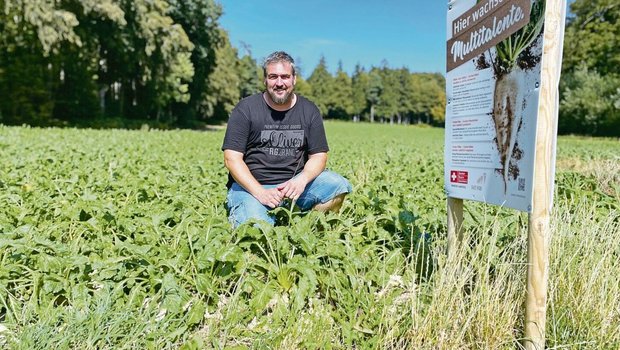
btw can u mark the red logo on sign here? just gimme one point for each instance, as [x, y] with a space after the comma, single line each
[459, 177]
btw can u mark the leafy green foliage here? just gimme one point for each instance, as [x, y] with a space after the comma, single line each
[359, 86]
[132, 223]
[389, 103]
[120, 238]
[394, 95]
[168, 63]
[590, 86]
[164, 63]
[199, 20]
[509, 50]
[323, 87]
[427, 98]
[90, 59]
[302, 87]
[223, 84]
[250, 76]
[591, 37]
[590, 104]
[343, 96]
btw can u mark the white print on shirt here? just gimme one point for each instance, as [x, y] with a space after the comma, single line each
[281, 143]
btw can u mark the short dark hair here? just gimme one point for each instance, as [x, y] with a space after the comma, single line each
[278, 56]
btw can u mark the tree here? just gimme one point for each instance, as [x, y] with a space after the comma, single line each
[590, 85]
[591, 103]
[388, 105]
[428, 99]
[25, 87]
[98, 71]
[374, 91]
[359, 86]
[31, 31]
[322, 84]
[199, 20]
[405, 91]
[341, 99]
[592, 36]
[302, 87]
[249, 76]
[99, 53]
[167, 69]
[223, 90]
[438, 111]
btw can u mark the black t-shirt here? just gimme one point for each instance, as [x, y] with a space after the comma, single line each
[275, 144]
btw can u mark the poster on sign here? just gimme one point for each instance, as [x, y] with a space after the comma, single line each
[494, 51]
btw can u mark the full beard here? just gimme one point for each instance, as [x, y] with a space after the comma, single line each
[280, 100]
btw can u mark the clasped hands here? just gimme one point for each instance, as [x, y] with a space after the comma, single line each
[293, 188]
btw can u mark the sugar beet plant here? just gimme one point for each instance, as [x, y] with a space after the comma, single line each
[114, 238]
[119, 239]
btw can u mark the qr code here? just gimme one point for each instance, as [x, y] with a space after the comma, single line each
[521, 184]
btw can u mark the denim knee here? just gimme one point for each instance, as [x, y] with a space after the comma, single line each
[242, 206]
[323, 188]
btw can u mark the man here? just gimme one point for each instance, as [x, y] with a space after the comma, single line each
[275, 149]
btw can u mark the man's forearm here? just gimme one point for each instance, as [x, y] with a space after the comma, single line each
[242, 175]
[314, 166]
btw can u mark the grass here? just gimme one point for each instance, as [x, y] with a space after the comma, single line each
[119, 240]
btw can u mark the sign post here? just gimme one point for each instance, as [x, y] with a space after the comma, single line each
[503, 69]
[539, 220]
[455, 224]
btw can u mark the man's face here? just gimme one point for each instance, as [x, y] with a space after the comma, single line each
[280, 82]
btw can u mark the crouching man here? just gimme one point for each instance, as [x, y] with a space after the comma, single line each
[275, 148]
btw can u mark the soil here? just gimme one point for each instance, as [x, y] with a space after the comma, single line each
[513, 168]
[527, 60]
[481, 62]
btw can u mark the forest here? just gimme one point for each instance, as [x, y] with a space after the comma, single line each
[170, 64]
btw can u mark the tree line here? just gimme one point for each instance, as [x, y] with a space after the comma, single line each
[590, 81]
[169, 63]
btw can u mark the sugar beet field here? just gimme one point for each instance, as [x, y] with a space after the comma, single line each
[119, 240]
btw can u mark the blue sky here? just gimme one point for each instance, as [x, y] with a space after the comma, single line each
[405, 33]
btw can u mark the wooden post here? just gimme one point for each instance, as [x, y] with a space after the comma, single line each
[539, 220]
[455, 224]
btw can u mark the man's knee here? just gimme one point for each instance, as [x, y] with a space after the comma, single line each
[332, 205]
[248, 210]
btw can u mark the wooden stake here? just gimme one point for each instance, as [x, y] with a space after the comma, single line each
[539, 220]
[455, 224]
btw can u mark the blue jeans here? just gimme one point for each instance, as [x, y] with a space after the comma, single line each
[242, 206]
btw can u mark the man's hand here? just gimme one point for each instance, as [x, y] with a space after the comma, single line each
[242, 175]
[270, 197]
[294, 187]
